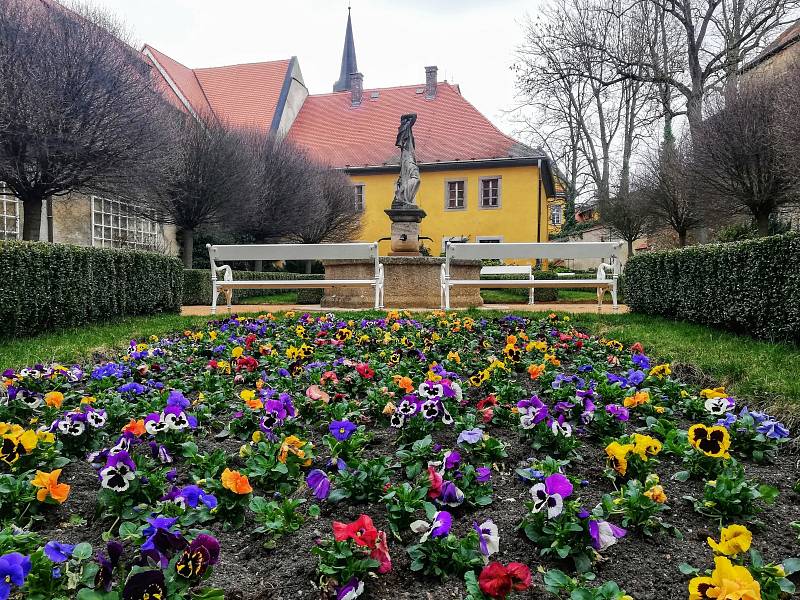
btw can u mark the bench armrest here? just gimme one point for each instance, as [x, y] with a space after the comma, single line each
[226, 270]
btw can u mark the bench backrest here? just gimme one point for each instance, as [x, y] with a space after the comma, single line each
[477, 251]
[275, 252]
[507, 270]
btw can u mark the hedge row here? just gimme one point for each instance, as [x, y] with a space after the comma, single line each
[197, 285]
[750, 287]
[47, 286]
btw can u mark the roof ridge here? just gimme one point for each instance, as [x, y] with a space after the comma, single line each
[381, 89]
[245, 64]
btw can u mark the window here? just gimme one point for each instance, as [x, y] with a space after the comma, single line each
[358, 196]
[555, 214]
[9, 214]
[490, 192]
[490, 240]
[116, 225]
[455, 195]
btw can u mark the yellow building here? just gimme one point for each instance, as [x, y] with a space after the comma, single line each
[477, 184]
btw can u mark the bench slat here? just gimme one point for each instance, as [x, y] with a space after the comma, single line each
[517, 250]
[296, 284]
[535, 283]
[275, 252]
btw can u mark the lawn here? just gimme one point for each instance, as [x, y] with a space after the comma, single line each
[406, 455]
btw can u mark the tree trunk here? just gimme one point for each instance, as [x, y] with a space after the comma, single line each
[188, 247]
[32, 215]
[762, 221]
[682, 239]
[630, 248]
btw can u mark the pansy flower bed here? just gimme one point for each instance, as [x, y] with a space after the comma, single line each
[390, 456]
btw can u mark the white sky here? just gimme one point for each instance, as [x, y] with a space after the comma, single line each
[471, 41]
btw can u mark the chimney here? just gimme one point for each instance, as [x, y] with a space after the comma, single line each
[430, 81]
[356, 88]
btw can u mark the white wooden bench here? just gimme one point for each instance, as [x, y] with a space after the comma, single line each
[550, 251]
[276, 252]
[511, 270]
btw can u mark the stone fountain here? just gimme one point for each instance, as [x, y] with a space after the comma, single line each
[411, 280]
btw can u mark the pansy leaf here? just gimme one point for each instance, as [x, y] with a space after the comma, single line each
[786, 586]
[681, 476]
[791, 566]
[688, 569]
[338, 495]
[82, 551]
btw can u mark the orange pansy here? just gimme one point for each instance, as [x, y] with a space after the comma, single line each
[236, 482]
[48, 486]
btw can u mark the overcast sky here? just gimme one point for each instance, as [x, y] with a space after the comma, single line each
[471, 41]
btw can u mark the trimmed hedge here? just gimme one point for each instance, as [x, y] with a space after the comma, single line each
[750, 287]
[197, 284]
[46, 286]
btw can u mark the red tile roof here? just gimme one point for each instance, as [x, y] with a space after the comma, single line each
[448, 128]
[787, 37]
[242, 95]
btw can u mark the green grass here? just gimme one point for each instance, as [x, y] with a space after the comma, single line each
[520, 296]
[276, 298]
[762, 373]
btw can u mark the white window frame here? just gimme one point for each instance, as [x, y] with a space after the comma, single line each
[115, 225]
[10, 208]
[360, 196]
[481, 198]
[463, 190]
[489, 239]
[556, 210]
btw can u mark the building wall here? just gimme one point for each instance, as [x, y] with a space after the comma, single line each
[553, 228]
[776, 64]
[72, 220]
[516, 220]
[294, 101]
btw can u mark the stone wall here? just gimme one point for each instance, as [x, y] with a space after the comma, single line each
[409, 282]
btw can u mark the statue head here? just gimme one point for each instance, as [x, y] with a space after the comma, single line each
[404, 131]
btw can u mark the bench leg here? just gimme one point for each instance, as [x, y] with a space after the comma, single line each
[614, 298]
[600, 293]
[530, 296]
[228, 299]
[447, 296]
[214, 294]
[377, 296]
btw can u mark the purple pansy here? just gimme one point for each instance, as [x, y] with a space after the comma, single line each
[604, 534]
[550, 494]
[319, 483]
[342, 430]
[470, 436]
[58, 552]
[14, 568]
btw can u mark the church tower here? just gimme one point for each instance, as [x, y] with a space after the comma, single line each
[349, 64]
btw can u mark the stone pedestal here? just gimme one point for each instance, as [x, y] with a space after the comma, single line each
[409, 282]
[405, 230]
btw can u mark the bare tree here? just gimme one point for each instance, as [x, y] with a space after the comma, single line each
[736, 154]
[78, 111]
[668, 187]
[564, 77]
[295, 199]
[205, 171]
[716, 37]
[628, 216]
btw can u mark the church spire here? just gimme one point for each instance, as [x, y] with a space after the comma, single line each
[349, 64]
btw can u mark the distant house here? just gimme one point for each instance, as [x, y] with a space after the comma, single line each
[477, 184]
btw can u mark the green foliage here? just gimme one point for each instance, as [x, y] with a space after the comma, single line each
[559, 583]
[447, 555]
[750, 287]
[197, 284]
[732, 497]
[401, 502]
[276, 519]
[365, 482]
[53, 286]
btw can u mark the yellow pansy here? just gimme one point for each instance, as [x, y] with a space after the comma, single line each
[733, 540]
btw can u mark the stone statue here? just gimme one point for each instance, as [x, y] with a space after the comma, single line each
[405, 190]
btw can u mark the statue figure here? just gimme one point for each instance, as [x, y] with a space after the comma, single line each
[405, 190]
